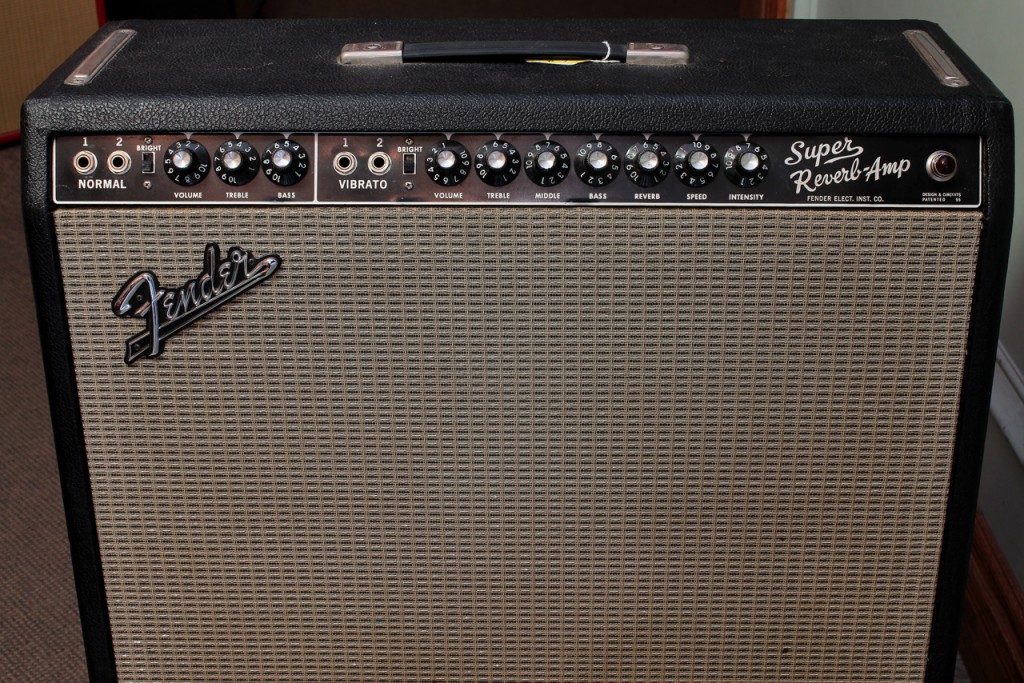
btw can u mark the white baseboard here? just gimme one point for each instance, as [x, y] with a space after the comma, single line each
[1007, 407]
[804, 9]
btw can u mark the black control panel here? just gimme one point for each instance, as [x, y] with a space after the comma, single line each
[518, 168]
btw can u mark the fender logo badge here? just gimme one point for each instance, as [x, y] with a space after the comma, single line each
[169, 311]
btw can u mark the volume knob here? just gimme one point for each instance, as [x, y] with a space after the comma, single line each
[186, 162]
[448, 163]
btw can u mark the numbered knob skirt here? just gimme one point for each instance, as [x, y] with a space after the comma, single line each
[448, 163]
[236, 162]
[647, 163]
[547, 163]
[186, 162]
[746, 164]
[696, 163]
[497, 163]
[597, 163]
[285, 162]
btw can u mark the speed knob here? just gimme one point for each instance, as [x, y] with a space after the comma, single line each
[448, 163]
[236, 162]
[285, 162]
[547, 163]
[186, 162]
[746, 164]
[696, 163]
[647, 163]
[597, 163]
[497, 163]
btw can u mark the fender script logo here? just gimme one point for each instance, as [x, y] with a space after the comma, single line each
[168, 311]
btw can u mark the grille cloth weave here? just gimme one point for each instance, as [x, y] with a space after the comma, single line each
[530, 444]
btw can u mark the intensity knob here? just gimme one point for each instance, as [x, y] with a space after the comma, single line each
[696, 163]
[547, 163]
[497, 163]
[448, 163]
[647, 163]
[597, 163]
[746, 164]
[186, 162]
[285, 162]
[236, 162]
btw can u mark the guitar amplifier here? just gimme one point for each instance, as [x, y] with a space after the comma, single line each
[519, 351]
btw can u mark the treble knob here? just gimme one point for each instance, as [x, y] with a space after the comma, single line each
[236, 162]
[497, 163]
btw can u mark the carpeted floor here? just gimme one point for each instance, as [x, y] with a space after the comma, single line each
[40, 640]
[40, 637]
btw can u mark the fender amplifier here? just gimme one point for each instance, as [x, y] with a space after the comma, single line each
[582, 351]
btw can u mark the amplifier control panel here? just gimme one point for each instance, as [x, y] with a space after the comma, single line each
[518, 168]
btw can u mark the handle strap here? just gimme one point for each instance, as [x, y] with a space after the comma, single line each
[381, 53]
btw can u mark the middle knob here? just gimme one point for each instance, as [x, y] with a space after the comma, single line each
[497, 163]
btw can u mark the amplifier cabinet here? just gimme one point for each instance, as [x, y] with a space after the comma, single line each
[485, 370]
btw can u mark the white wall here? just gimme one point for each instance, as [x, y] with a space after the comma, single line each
[990, 31]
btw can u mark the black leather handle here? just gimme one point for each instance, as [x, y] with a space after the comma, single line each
[395, 52]
[512, 51]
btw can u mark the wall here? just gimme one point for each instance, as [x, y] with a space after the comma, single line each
[35, 37]
[990, 32]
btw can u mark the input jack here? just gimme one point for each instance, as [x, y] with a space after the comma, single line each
[119, 162]
[345, 163]
[380, 163]
[85, 162]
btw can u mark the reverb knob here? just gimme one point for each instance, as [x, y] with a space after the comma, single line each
[236, 162]
[597, 163]
[696, 163]
[746, 164]
[647, 163]
[186, 162]
[447, 163]
[497, 163]
[285, 162]
[547, 163]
